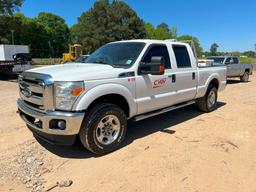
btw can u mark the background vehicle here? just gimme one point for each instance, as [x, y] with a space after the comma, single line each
[22, 61]
[123, 80]
[14, 59]
[75, 51]
[234, 68]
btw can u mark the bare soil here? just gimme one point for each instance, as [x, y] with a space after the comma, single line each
[180, 151]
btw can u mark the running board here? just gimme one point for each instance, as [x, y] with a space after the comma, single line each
[160, 111]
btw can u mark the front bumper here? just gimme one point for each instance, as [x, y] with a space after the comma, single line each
[44, 130]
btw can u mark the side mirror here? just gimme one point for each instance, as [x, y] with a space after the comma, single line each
[155, 67]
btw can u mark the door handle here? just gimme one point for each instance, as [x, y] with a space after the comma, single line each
[173, 77]
[193, 75]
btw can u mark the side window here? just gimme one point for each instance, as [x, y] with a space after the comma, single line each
[235, 59]
[182, 56]
[158, 50]
[228, 60]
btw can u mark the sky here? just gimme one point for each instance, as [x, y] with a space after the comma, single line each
[229, 23]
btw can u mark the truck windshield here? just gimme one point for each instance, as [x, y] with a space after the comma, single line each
[117, 54]
[217, 59]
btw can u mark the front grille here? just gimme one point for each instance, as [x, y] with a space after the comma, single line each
[33, 105]
[36, 91]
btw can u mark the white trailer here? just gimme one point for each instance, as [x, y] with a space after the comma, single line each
[7, 62]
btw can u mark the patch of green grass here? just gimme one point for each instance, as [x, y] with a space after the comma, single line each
[247, 60]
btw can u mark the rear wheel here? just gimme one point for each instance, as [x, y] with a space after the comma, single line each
[103, 129]
[245, 77]
[208, 103]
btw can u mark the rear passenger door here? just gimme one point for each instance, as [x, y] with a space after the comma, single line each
[186, 74]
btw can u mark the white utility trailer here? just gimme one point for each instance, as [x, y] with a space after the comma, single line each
[10, 65]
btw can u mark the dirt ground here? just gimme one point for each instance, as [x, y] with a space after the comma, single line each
[180, 151]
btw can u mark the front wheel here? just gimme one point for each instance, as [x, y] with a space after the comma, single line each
[208, 103]
[103, 129]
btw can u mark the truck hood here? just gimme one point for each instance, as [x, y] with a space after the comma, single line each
[79, 71]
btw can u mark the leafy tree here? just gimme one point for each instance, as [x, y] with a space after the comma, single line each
[57, 30]
[161, 32]
[214, 48]
[34, 33]
[7, 7]
[249, 54]
[197, 44]
[150, 31]
[8, 23]
[107, 22]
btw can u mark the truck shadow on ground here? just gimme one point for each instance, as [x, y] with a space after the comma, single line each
[235, 81]
[12, 78]
[135, 130]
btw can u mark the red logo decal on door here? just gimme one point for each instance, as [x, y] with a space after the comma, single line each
[159, 83]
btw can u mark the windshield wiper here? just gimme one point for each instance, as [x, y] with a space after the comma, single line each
[113, 65]
[100, 62]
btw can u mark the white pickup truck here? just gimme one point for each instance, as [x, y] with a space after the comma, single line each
[123, 80]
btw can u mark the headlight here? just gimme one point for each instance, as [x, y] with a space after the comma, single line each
[66, 94]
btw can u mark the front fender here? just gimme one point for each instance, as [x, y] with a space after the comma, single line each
[87, 98]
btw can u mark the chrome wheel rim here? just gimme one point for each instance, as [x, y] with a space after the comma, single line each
[108, 129]
[211, 99]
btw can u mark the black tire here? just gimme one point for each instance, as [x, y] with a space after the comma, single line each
[88, 135]
[202, 102]
[245, 77]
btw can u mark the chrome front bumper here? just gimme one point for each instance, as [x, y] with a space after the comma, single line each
[73, 120]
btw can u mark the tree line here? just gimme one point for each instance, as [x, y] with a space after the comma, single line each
[214, 52]
[49, 36]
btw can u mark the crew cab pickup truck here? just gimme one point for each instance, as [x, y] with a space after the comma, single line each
[234, 68]
[123, 80]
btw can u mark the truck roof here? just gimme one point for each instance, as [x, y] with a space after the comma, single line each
[173, 41]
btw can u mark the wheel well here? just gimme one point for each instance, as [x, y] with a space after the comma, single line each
[247, 70]
[116, 99]
[215, 83]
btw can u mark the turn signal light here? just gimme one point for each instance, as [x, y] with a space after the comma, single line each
[77, 91]
[161, 69]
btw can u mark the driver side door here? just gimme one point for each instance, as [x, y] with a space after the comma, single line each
[154, 91]
[231, 70]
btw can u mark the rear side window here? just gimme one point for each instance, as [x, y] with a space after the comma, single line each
[235, 60]
[158, 50]
[182, 56]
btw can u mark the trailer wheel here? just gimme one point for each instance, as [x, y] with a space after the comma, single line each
[208, 103]
[103, 128]
[245, 77]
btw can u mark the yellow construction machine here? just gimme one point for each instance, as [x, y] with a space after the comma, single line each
[75, 51]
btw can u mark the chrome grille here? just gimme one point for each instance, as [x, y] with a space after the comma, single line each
[36, 91]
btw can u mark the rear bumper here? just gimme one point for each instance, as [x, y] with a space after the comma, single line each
[40, 124]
